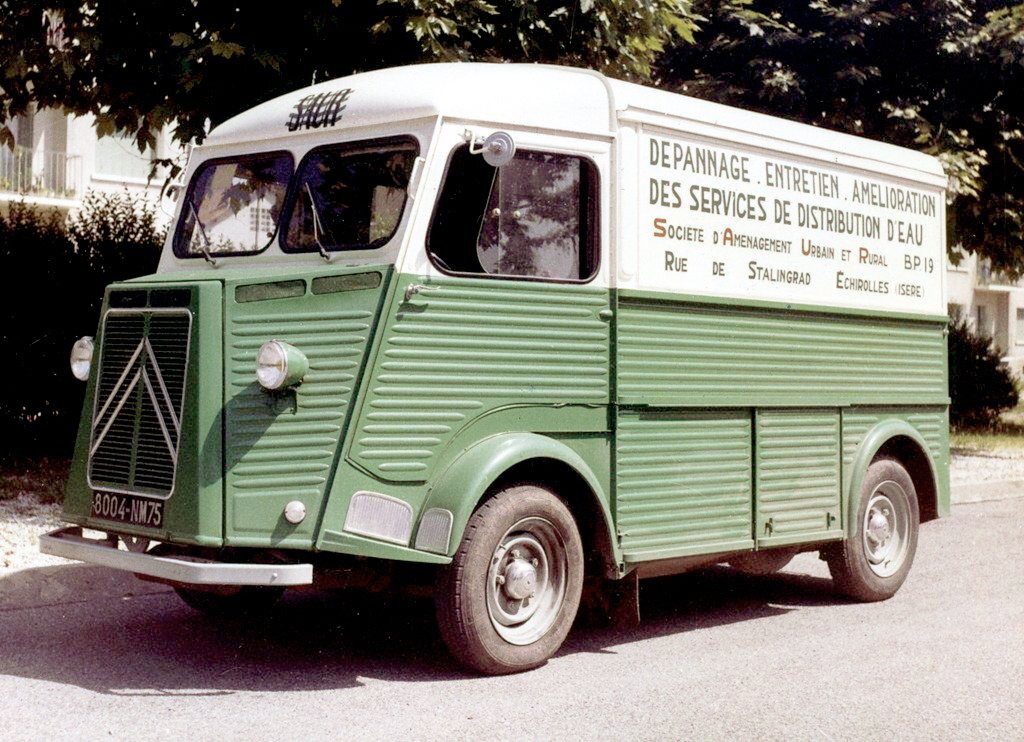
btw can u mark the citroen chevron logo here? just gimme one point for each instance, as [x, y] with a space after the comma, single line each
[142, 366]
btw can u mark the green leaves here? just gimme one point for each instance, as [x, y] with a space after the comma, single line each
[618, 37]
[105, 125]
[938, 76]
[980, 384]
[110, 238]
[139, 66]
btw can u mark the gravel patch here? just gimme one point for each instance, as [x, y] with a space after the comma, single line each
[990, 466]
[22, 520]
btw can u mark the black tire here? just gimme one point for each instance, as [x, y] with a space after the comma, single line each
[760, 563]
[519, 529]
[866, 566]
[232, 602]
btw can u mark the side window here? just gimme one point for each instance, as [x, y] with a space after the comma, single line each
[535, 217]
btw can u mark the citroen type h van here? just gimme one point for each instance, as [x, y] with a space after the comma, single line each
[511, 330]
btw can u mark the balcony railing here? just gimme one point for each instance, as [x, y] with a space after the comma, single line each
[32, 172]
[986, 276]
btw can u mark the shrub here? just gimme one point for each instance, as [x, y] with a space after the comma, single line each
[55, 273]
[117, 235]
[980, 384]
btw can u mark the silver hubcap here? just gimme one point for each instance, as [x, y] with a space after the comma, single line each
[886, 529]
[526, 581]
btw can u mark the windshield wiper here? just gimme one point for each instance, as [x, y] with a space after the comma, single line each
[205, 246]
[317, 228]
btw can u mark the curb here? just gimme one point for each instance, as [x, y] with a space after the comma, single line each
[967, 493]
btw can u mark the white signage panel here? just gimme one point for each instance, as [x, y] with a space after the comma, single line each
[726, 222]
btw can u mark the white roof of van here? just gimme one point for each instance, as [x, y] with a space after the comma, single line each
[512, 94]
[531, 95]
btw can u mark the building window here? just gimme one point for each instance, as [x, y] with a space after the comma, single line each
[261, 220]
[1020, 327]
[118, 156]
[981, 320]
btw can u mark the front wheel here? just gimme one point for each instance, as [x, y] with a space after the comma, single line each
[507, 600]
[872, 563]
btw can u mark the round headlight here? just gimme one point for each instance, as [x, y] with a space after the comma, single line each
[280, 365]
[81, 358]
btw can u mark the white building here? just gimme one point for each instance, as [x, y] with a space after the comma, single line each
[992, 304]
[58, 158]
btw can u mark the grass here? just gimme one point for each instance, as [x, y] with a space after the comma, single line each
[42, 478]
[1005, 436]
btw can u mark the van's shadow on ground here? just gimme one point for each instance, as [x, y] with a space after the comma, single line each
[150, 643]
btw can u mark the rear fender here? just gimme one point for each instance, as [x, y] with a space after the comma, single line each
[869, 447]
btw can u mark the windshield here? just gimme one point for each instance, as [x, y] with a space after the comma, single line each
[349, 197]
[233, 205]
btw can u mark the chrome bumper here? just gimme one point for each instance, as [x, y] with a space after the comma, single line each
[71, 544]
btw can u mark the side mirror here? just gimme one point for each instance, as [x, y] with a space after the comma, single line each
[498, 149]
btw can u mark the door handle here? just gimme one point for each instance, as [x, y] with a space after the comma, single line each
[417, 288]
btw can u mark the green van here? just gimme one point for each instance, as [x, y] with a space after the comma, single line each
[513, 330]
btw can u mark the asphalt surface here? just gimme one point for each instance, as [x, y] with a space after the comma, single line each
[89, 653]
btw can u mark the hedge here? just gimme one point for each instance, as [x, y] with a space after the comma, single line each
[54, 273]
[980, 384]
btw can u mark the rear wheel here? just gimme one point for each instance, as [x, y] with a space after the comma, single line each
[872, 563]
[231, 602]
[507, 600]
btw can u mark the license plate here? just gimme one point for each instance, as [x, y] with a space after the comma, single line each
[136, 511]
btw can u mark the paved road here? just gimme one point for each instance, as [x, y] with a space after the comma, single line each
[86, 653]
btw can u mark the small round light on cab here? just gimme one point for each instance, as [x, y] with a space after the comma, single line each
[81, 358]
[280, 365]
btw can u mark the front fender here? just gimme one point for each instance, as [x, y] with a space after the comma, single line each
[466, 480]
[877, 437]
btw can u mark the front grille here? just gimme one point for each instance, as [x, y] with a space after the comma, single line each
[140, 393]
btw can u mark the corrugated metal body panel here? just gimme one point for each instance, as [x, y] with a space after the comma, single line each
[280, 446]
[458, 348]
[672, 353]
[798, 476]
[684, 482]
[932, 424]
